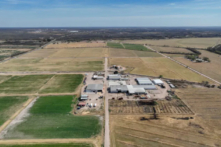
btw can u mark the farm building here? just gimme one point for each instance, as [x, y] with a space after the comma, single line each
[114, 77]
[84, 97]
[117, 83]
[144, 81]
[172, 86]
[118, 89]
[96, 77]
[94, 88]
[146, 87]
[158, 82]
[132, 90]
[81, 104]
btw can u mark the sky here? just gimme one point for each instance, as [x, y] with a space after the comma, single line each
[109, 13]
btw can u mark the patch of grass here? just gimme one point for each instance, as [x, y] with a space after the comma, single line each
[24, 84]
[51, 145]
[114, 45]
[63, 84]
[50, 117]
[136, 47]
[8, 106]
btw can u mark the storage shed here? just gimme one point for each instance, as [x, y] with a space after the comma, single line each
[114, 77]
[146, 87]
[84, 97]
[144, 81]
[158, 82]
[118, 89]
[94, 88]
[132, 90]
[81, 104]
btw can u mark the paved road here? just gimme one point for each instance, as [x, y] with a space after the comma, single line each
[185, 66]
[107, 129]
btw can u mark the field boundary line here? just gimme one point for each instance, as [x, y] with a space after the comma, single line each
[16, 114]
[42, 141]
[45, 84]
[193, 70]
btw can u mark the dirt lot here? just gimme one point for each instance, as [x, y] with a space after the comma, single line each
[188, 42]
[212, 69]
[156, 67]
[77, 45]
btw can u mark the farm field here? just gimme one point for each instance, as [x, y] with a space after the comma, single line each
[212, 69]
[206, 104]
[23, 84]
[127, 46]
[171, 49]
[54, 115]
[156, 67]
[77, 45]
[62, 84]
[53, 64]
[9, 105]
[51, 145]
[128, 130]
[175, 106]
[7, 53]
[32, 84]
[188, 42]
[115, 45]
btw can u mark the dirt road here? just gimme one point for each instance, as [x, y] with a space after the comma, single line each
[107, 131]
[185, 66]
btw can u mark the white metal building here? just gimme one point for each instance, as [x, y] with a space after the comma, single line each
[158, 82]
[146, 87]
[94, 88]
[144, 81]
[84, 97]
[118, 89]
[114, 77]
[132, 90]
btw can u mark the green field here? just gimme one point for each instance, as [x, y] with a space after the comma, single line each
[136, 47]
[8, 106]
[24, 84]
[114, 45]
[63, 84]
[50, 117]
[51, 145]
[31, 84]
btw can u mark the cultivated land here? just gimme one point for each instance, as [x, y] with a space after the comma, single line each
[115, 45]
[53, 64]
[128, 130]
[206, 104]
[188, 42]
[9, 105]
[51, 145]
[212, 69]
[156, 67]
[54, 115]
[171, 49]
[128, 46]
[62, 84]
[32, 84]
[77, 45]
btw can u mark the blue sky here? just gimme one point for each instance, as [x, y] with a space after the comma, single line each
[92, 13]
